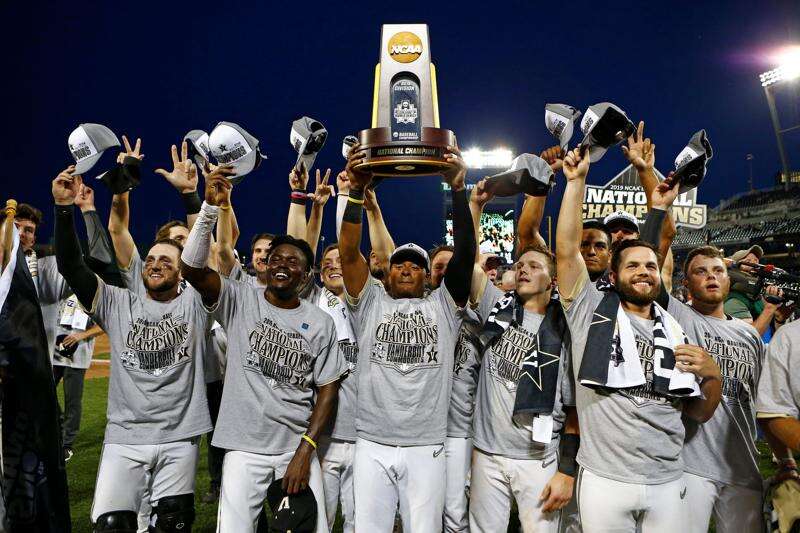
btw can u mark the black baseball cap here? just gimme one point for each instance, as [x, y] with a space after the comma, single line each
[295, 513]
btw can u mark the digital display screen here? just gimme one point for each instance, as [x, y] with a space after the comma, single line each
[497, 233]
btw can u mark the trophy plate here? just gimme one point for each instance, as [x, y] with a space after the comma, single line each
[387, 157]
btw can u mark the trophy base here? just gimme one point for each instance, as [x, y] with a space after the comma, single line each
[387, 157]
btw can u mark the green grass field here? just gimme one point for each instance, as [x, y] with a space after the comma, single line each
[82, 469]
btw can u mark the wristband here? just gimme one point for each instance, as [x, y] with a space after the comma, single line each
[353, 211]
[309, 440]
[298, 197]
[191, 202]
[568, 450]
[356, 195]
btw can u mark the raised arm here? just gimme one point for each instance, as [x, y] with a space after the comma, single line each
[661, 198]
[69, 257]
[458, 278]
[478, 199]
[379, 237]
[569, 230]
[321, 195]
[183, 178]
[226, 242]
[355, 269]
[296, 221]
[99, 242]
[530, 219]
[119, 217]
[194, 259]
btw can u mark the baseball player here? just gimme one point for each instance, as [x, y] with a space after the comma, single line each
[283, 363]
[632, 433]
[406, 344]
[157, 407]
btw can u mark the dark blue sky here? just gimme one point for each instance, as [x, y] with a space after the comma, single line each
[157, 70]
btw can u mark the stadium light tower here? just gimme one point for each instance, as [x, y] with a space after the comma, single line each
[788, 70]
[476, 158]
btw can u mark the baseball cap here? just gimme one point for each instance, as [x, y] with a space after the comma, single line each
[293, 513]
[308, 136]
[690, 165]
[231, 145]
[65, 352]
[411, 252]
[197, 141]
[347, 143]
[528, 173]
[622, 218]
[604, 125]
[560, 122]
[741, 254]
[87, 143]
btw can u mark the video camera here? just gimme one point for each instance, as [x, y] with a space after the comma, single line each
[752, 283]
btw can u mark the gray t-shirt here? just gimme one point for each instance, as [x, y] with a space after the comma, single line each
[724, 448]
[156, 393]
[277, 358]
[238, 274]
[52, 289]
[70, 320]
[779, 386]
[465, 381]
[629, 435]
[405, 365]
[495, 431]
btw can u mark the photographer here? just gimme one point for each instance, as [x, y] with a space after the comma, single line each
[745, 303]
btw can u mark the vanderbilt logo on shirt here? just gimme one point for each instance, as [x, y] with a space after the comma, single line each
[156, 347]
[463, 347]
[736, 361]
[349, 350]
[280, 356]
[505, 357]
[406, 341]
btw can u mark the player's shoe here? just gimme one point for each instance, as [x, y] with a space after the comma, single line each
[68, 453]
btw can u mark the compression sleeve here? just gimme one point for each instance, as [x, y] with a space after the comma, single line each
[69, 257]
[458, 277]
[198, 244]
[99, 243]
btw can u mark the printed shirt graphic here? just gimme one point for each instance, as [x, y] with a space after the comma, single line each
[724, 448]
[495, 431]
[405, 365]
[71, 319]
[276, 360]
[156, 393]
[630, 435]
[465, 380]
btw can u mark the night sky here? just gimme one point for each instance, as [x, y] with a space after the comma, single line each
[157, 70]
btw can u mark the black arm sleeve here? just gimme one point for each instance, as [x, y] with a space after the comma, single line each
[651, 229]
[70, 259]
[458, 278]
[100, 248]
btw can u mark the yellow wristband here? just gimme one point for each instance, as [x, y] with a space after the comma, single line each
[225, 207]
[354, 200]
[310, 441]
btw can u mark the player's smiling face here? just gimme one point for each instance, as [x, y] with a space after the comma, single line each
[707, 280]
[161, 271]
[332, 272]
[260, 252]
[286, 269]
[638, 279]
[532, 275]
[406, 280]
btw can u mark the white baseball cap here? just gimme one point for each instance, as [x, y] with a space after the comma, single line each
[604, 125]
[231, 145]
[622, 218]
[307, 137]
[87, 143]
[198, 146]
[690, 165]
[530, 174]
[560, 122]
[411, 252]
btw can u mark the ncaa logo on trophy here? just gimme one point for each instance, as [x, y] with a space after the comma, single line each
[405, 138]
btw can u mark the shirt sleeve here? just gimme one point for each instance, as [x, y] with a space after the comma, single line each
[567, 374]
[679, 311]
[491, 295]
[132, 274]
[737, 309]
[230, 294]
[107, 302]
[775, 387]
[329, 365]
[52, 286]
[364, 304]
[579, 289]
[447, 306]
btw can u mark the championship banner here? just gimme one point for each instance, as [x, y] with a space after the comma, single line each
[625, 193]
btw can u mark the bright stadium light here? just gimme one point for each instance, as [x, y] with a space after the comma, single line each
[476, 158]
[788, 67]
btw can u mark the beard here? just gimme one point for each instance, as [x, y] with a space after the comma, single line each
[713, 299]
[165, 285]
[628, 294]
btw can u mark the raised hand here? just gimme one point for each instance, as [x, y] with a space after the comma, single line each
[455, 173]
[480, 196]
[298, 178]
[323, 191]
[576, 165]
[554, 157]
[85, 199]
[184, 172]
[342, 183]
[66, 186]
[370, 200]
[665, 193]
[218, 186]
[359, 179]
[641, 152]
[131, 152]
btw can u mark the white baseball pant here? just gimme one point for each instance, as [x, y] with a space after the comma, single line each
[736, 509]
[497, 480]
[411, 476]
[607, 505]
[458, 456]
[126, 470]
[337, 480]
[245, 479]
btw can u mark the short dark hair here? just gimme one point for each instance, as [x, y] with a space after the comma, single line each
[163, 231]
[599, 226]
[302, 245]
[334, 246]
[705, 251]
[621, 246]
[259, 236]
[544, 250]
[171, 242]
[28, 212]
[441, 248]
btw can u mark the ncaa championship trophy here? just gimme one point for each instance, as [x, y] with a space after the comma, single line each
[405, 138]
